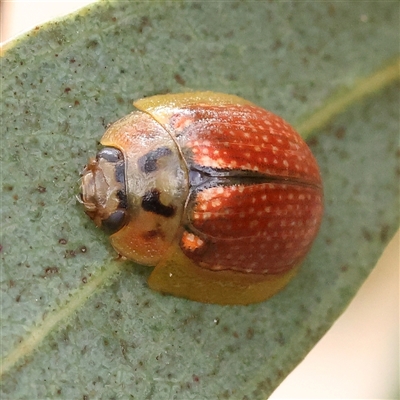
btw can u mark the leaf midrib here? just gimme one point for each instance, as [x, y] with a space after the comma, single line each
[339, 102]
[37, 335]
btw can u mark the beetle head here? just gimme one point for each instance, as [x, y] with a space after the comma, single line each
[103, 192]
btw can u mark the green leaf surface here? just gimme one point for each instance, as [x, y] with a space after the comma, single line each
[77, 323]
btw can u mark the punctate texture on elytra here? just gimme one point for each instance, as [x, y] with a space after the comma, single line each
[223, 197]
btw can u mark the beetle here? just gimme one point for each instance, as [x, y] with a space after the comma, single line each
[223, 197]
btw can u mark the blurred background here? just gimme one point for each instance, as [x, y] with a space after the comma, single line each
[359, 357]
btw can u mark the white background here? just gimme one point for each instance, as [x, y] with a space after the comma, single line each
[359, 357]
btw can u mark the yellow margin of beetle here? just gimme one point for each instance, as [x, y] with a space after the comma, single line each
[363, 88]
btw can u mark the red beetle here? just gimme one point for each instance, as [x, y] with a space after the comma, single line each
[223, 197]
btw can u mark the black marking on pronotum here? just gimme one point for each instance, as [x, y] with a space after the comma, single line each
[123, 201]
[148, 162]
[151, 202]
[120, 172]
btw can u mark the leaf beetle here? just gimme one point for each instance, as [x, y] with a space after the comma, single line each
[223, 197]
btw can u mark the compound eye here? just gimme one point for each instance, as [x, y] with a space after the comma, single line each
[114, 222]
[110, 154]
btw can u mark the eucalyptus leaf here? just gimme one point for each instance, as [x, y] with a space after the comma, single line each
[76, 323]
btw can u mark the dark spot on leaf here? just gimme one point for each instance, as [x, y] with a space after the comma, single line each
[123, 345]
[144, 22]
[146, 303]
[229, 34]
[344, 268]
[250, 333]
[313, 141]
[117, 315]
[83, 249]
[51, 271]
[179, 79]
[311, 50]
[304, 60]
[340, 133]
[195, 378]
[84, 280]
[76, 103]
[280, 339]
[280, 374]
[277, 44]
[226, 394]
[69, 254]
[63, 241]
[67, 90]
[92, 44]
[367, 234]
[18, 298]
[384, 233]
[331, 10]
[300, 96]
[41, 189]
